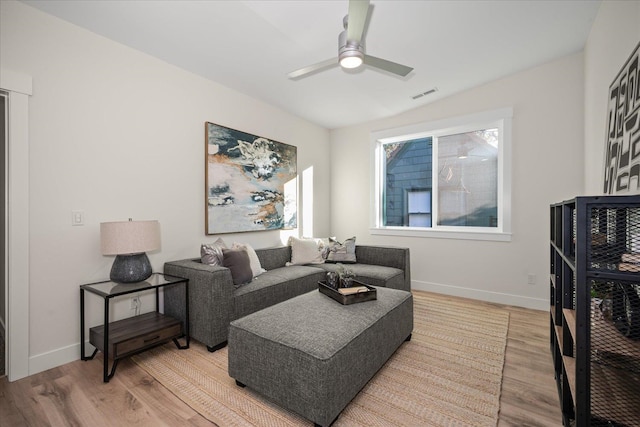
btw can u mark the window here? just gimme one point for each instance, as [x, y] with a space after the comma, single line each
[419, 208]
[449, 178]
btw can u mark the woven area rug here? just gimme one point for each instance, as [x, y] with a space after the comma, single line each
[449, 374]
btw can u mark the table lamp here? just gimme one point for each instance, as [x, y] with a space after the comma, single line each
[128, 241]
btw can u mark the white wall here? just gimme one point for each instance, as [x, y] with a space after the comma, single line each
[547, 155]
[614, 35]
[119, 134]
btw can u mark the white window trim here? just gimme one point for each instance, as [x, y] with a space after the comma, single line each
[496, 118]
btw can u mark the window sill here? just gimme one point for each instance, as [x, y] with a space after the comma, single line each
[442, 234]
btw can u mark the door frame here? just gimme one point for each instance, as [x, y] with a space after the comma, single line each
[19, 87]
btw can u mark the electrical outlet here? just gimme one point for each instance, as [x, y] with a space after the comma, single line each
[134, 303]
[531, 279]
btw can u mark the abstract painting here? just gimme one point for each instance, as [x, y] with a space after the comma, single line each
[622, 141]
[251, 182]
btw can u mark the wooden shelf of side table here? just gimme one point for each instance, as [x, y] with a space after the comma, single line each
[132, 335]
[137, 333]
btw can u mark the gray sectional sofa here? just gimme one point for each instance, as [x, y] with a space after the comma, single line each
[214, 301]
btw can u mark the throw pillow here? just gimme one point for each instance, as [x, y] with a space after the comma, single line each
[211, 253]
[323, 245]
[305, 251]
[254, 261]
[342, 252]
[237, 260]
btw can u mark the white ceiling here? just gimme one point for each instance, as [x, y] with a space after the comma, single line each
[250, 46]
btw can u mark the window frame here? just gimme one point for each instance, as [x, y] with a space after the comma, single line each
[501, 119]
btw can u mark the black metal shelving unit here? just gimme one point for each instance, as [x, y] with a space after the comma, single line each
[595, 309]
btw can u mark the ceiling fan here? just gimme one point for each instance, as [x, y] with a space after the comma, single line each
[351, 47]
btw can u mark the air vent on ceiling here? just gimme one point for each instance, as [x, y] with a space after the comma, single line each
[429, 92]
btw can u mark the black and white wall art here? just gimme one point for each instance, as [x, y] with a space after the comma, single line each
[622, 142]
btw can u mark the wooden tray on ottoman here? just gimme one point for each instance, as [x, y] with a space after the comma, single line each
[346, 299]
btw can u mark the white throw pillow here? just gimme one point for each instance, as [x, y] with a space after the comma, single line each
[256, 268]
[324, 243]
[305, 251]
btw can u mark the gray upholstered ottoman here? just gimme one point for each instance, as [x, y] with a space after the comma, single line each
[312, 355]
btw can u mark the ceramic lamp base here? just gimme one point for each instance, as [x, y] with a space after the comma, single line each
[130, 268]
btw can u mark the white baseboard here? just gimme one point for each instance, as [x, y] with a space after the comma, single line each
[54, 358]
[497, 297]
[64, 355]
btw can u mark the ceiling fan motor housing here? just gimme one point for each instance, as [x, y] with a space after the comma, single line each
[350, 53]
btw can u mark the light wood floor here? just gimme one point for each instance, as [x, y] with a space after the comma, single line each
[74, 394]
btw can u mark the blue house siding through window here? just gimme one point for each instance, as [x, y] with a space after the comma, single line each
[408, 169]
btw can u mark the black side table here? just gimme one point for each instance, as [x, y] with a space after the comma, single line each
[132, 335]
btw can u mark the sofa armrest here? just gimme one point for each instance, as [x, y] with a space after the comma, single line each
[388, 256]
[210, 299]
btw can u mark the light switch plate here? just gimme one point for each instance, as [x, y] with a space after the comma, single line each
[77, 217]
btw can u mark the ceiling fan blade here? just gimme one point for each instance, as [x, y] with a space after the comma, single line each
[358, 10]
[313, 68]
[383, 64]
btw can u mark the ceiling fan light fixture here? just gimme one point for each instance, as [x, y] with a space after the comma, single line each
[351, 55]
[351, 62]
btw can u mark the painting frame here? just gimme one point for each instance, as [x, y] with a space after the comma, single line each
[622, 138]
[251, 182]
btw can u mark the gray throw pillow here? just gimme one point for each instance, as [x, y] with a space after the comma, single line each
[237, 260]
[342, 252]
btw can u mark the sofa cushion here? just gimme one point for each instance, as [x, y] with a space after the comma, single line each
[275, 286]
[375, 275]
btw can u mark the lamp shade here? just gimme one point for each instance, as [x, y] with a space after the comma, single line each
[129, 237]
